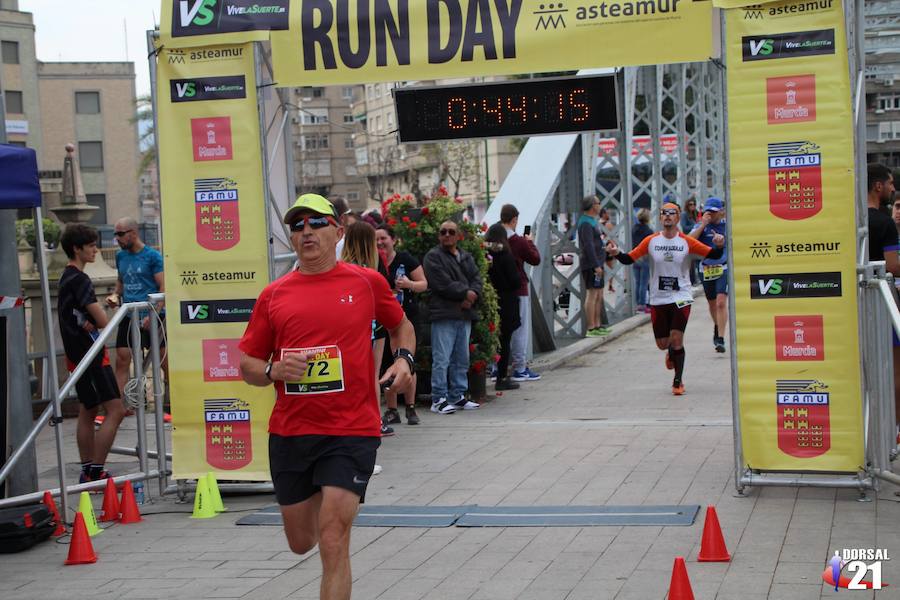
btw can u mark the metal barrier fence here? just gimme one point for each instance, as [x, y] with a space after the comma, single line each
[52, 415]
[878, 303]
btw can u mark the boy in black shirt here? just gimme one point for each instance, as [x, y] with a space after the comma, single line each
[80, 318]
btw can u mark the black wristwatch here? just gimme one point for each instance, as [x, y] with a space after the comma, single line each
[269, 372]
[407, 356]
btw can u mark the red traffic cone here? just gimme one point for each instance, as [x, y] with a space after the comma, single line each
[81, 551]
[110, 509]
[712, 546]
[51, 506]
[130, 511]
[680, 586]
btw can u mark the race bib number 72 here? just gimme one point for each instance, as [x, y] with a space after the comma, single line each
[324, 371]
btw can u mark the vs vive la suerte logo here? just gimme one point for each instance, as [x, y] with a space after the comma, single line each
[796, 285]
[206, 17]
[198, 89]
[216, 311]
[788, 45]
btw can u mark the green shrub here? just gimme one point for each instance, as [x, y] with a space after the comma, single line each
[52, 232]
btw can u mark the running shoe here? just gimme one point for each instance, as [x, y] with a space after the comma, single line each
[506, 384]
[411, 417]
[391, 417]
[442, 407]
[376, 470]
[677, 388]
[525, 374]
[386, 431]
[669, 363]
[464, 404]
[532, 376]
[720, 344]
[595, 332]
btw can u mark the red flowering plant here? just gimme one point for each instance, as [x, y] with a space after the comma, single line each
[417, 228]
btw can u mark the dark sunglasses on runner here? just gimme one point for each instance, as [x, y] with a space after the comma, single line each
[314, 223]
[123, 233]
[448, 232]
[668, 211]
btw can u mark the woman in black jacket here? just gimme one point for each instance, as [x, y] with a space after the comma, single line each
[505, 278]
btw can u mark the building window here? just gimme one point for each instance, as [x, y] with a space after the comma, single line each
[14, 102]
[316, 168]
[377, 88]
[348, 118]
[10, 52]
[347, 92]
[99, 216]
[314, 142]
[348, 142]
[352, 196]
[87, 103]
[312, 92]
[19, 144]
[90, 155]
[390, 121]
[314, 116]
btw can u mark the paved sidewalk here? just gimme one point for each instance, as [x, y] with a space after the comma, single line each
[602, 428]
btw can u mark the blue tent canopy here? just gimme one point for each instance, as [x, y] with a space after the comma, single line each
[19, 187]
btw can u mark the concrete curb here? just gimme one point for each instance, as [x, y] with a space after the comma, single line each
[547, 361]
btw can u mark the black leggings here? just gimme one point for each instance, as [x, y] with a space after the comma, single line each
[503, 363]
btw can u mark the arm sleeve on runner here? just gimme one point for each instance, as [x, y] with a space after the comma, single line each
[715, 253]
[639, 251]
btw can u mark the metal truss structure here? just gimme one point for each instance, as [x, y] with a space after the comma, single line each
[671, 143]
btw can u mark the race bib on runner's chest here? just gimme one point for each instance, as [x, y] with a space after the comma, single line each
[711, 272]
[668, 284]
[324, 371]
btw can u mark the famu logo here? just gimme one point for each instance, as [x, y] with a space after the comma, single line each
[190, 277]
[205, 17]
[758, 12]
[788, 45]
[216, 311]
[550, 16]
[229, 87]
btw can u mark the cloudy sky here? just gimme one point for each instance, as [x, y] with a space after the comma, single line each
[95, 30]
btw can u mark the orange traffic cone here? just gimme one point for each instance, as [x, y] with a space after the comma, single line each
[712, 545]
[51, 506]
[680, 586]
[128, 506]
[81, 551]
[110, 509]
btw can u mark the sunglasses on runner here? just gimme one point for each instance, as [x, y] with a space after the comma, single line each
[448, 232]
[668, 211]
[123, 233]
[314, 223]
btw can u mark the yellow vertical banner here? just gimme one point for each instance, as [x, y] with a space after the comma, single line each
[793, 237]
[216, 258]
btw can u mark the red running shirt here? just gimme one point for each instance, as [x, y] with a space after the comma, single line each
[331, 315]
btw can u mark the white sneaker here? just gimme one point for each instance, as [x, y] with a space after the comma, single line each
[376, 470]
[467, 405]
[443, 407]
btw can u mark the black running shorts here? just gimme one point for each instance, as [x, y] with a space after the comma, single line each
[96, 386]
[302, 464]
[669, 317]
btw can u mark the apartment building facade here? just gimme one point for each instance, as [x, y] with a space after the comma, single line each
[324, 144]
[90, 104]
[883, 81]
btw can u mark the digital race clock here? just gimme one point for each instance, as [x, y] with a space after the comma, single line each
[509, 108]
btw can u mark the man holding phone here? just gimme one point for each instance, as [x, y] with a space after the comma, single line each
[524, 251]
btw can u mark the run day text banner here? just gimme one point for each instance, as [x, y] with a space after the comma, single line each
[793, 238]
[216, 257]
[191, 23]
[347, 42]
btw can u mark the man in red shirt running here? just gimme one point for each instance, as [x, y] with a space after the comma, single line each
[310, 335]
[670, 254]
